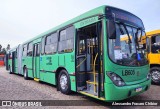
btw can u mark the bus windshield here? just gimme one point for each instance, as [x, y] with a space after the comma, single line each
[126, 49]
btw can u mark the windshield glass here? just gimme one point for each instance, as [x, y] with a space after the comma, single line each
[126, 49]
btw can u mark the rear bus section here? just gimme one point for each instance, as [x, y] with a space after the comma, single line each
[2, 59]
[13, 60]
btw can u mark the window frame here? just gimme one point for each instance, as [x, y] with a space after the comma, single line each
[30, 50]
[38, 49]
[70, 38]
[45, 43]
[24, 46]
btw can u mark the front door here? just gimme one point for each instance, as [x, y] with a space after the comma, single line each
[88, 66]
[36, 60]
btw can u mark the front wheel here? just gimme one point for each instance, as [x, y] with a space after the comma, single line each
[25, 73]
[155, 75]
[64, 82]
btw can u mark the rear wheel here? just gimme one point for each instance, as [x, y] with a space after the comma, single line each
[64, 82]
[25, 74]
[155, 75]
[10, 70]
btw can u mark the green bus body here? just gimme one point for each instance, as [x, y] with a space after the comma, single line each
[43, 66]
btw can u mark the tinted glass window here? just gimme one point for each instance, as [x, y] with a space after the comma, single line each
[51, 43]
[123, 50]
[25, 50]
[66, 42]
[63, 35]
[51, 39]
[30, 49]
[37, 53]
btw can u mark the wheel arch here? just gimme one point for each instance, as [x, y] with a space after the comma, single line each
[57, 73]
[23, 68]
[154, 65]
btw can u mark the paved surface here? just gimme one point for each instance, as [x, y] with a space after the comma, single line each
[14, 87]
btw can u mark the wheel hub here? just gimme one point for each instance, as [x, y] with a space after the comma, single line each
[156, 75]
[63, 81]
[25, 74]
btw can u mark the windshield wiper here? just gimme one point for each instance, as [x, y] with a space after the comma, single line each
[137, 43]
[139, 39]
[129, 39]
[136, 38]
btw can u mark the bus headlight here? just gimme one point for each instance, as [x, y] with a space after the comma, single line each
[117, 80]
[148, 76]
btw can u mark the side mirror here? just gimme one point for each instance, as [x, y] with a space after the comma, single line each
[111, 29]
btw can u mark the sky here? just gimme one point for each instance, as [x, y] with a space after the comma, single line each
[21, 20]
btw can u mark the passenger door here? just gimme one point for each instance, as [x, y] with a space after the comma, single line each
[89, 74]
[36, 60]
[13, 62]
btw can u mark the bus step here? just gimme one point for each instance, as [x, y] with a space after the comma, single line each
[92, 82]
[92, 87]
[89, 82]
[36, 79]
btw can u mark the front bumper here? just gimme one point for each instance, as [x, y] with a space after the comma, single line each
[114, 93]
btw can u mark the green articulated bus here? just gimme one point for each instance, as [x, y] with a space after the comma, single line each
[86, 55]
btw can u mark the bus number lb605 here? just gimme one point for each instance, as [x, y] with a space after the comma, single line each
[128, 72]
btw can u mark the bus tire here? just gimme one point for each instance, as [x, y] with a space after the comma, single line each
[25, 74]
[155, 75]
[10, 71]
[64, 82]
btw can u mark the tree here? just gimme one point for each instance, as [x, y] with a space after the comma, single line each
[3, 51]
[0, 47]
[8, 47]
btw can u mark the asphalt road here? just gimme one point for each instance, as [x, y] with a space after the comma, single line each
[14, 87]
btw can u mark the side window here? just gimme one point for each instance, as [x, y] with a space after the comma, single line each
[25, 50]
[37, 52]
[66, 41]
[42, 45]
[81, 46]
[30, 49]
[51, 43]
[148, 44]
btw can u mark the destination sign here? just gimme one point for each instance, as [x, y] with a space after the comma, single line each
[123, 16]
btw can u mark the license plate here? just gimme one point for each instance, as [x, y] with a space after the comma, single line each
[138, 89]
